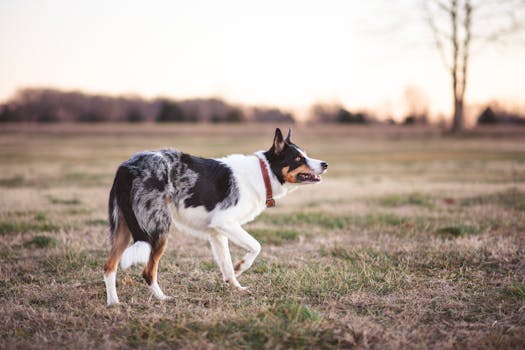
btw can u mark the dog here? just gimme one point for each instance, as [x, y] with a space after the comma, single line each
[209, 198]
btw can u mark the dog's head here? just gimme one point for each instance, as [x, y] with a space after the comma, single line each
[290, 163]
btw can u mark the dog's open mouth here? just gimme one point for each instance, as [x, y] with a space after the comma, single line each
[308, 177]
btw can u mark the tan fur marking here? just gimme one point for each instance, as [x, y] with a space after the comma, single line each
[238, 265]
[291, 176]
[150, 270]
[120, 243]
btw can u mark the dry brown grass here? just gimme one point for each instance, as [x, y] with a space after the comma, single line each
[414, 240]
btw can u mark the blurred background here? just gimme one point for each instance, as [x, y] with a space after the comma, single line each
[452, 63]
[415, 238]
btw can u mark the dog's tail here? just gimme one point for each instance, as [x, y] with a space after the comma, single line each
[113, 211]
[121, 213]
[136, 254]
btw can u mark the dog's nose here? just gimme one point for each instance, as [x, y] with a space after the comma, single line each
[324, 165]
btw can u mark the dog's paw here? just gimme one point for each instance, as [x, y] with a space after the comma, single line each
[242, 289]
[161, 297]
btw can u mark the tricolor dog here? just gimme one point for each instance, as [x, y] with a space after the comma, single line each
[209, 198]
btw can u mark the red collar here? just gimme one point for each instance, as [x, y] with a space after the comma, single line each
[270, 202]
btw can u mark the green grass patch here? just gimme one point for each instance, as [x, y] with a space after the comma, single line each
[13, 181]
[76, 211]
[294, 312]
[263, 266]
[320, 219]
[43, 242]
[208, 266]
[85, 179]
[275, 236]
[511, 198]
[456, 231]
[331, 221]
[337, 252]
[397, 200]
[96, 222]
[41, 217]
[350, 271]
[64, 201]
[286, 325]
[72, 260]
[382, 219]
[515, 292]
[8, 227]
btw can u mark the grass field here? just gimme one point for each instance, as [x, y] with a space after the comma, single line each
[413, 240]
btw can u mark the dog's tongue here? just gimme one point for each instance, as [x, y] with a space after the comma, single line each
[316, 178]
[310, 177]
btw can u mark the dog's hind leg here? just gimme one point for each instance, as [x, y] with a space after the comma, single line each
[151, 268]
[244, 240]
[221, 253]
[120, 241]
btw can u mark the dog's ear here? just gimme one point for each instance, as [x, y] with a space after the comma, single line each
[288, 140]
[278, 142]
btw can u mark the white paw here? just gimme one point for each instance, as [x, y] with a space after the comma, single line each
[164, 297]
[157, 292]
[113, 303]
[242, 289]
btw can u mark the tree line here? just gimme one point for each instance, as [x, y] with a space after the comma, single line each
[52, 105]
[47, 105]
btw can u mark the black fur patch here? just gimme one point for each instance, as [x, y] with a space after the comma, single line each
[122, 190]
[111, 207]
[215, 183]
[155, 183]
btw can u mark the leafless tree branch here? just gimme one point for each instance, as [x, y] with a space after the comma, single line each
[466, 46]
[437, 36]
[440, 5]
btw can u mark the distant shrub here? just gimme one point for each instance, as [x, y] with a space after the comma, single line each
[91, 117]
[234, 116]
[134, 115]
[9, 114]
[271, 115]
[47, 115]
[500, 115]
[420, 119]
[170, 111]
[344, 116]
[487, 117]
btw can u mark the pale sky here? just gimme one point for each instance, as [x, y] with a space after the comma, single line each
[275, 52]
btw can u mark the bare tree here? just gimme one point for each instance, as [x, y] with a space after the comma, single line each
[457, 24]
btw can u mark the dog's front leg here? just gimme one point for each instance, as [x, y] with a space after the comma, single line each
[221, 253]
[244, 240]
